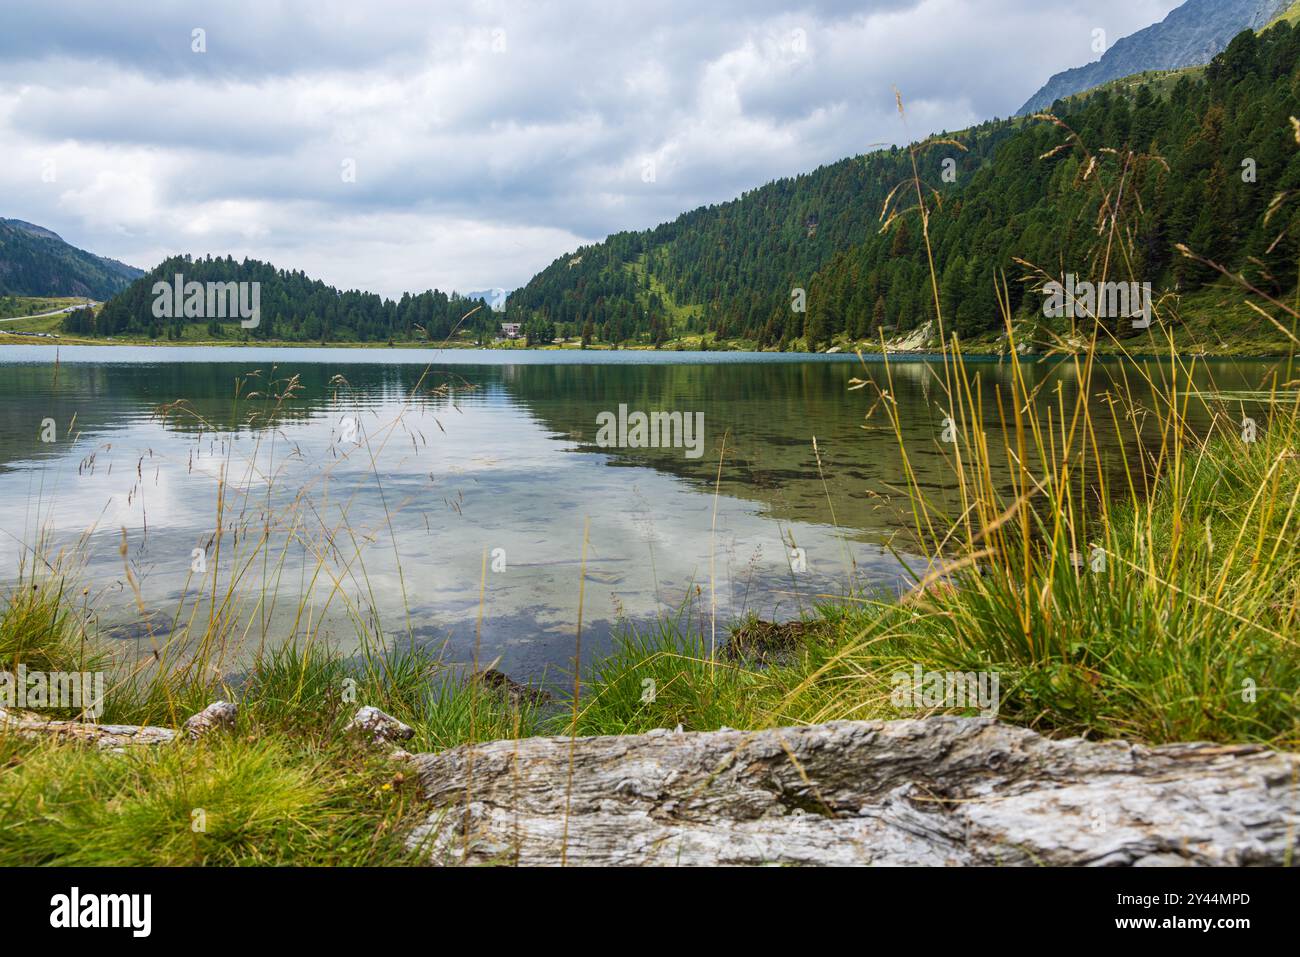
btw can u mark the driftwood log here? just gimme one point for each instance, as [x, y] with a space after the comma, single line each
[112, 737]
[937, 791]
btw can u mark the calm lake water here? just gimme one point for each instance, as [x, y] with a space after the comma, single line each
[368, 485]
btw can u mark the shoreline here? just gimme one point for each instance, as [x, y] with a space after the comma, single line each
[1122, 648]
[969, 351]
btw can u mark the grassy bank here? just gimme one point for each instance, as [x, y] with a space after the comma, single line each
[288, 786]
[1186, 630]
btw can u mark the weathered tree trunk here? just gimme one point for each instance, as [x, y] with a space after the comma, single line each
[942, 790]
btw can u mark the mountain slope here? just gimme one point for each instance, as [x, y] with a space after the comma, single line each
[35, 261]
[1190, 36]
[729, 265]
[1022, 190]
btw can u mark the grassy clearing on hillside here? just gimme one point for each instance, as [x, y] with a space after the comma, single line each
[1291, 15]
[35, 305]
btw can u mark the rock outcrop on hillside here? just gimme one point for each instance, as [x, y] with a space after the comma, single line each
[1192, 35]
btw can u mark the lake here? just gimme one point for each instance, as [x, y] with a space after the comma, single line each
[442, 496]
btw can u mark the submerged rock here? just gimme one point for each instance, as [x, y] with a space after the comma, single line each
[517, 693]
[767, 642]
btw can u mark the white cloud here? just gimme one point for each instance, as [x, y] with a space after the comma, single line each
[488, 137]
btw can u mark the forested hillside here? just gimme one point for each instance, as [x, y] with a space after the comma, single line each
[294, 308]
[37, 262]
[729, 268]
[1197, 162]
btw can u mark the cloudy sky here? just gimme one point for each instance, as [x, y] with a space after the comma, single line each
[398, 146]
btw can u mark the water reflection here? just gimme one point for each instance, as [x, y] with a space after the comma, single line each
[367, 488]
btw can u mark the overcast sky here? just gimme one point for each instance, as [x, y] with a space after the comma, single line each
[486, 138]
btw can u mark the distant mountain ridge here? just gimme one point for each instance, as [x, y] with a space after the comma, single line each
[38, 231]
[1190, 35]
[35, 261]
[494, 297]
